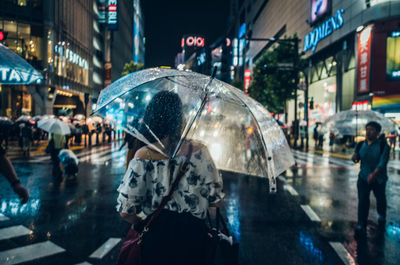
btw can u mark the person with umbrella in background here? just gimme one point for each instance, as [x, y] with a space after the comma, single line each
[57, 131]
[57, 141]
[374, 156]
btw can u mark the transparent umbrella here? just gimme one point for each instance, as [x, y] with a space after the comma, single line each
[23, 118]
[54, 125]
[240, 134]
[352, 122]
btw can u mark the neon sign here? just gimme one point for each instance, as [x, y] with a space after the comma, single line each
[318, 9]
[72, 57]
[195, 41]
[322, 31]
[364, 58]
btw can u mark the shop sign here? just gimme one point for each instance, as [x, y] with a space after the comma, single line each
[112, 19]
[193, 41]
[247, 78]
[318, 9]
[12, 76]
[322, 31]
[201, 59]
[363, 61]
[235, 52]
[360, 105]
[72, 57]
[102, 7]
[242, 30]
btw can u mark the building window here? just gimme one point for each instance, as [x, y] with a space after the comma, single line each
[22, 2]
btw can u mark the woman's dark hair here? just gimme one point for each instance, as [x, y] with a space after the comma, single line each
[164, 117]
[375, 125]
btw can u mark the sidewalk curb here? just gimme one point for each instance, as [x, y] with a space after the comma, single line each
[319, 152]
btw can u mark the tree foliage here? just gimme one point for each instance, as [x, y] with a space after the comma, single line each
[131, 67]
[272, 86]
[238, 84]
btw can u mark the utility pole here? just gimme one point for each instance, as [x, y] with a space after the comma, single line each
[296, 81]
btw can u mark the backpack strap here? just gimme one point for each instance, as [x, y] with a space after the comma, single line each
[382, 146]
[358, 147]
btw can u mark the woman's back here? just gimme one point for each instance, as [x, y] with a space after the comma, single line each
[177, 236]
[147, 181]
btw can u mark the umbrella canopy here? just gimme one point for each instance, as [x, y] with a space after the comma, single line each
[5, 122]
[24, 118]
[79, 117]
[352, 122]
[240, 134]
[53, 125]
[15, 70]
[94, 119]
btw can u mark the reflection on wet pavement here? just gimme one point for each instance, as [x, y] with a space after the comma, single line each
[271, 229]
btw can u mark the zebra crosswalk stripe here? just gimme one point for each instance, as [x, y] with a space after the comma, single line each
[3, 217]
[14, 231]
[29, 253]
[105, 248]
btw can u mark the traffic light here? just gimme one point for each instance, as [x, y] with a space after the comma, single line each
[3, 35]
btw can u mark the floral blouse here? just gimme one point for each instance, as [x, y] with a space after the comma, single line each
[147, 182]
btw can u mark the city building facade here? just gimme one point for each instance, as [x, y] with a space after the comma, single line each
[77, 46]
[352, 49]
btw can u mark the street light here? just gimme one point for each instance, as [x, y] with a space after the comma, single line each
[295, 41]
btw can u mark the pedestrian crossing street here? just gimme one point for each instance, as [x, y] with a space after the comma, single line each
[96, 155]
[313, 160]
[42, 250]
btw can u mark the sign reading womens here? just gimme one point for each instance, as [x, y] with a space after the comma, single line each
[323, 30]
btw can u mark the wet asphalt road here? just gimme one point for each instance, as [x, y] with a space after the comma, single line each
[309, 221]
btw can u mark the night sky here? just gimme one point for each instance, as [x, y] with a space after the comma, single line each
[167, 21]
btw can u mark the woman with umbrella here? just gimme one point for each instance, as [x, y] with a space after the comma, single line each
[149, 178]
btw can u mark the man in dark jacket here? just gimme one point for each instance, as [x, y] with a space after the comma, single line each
[374, 155]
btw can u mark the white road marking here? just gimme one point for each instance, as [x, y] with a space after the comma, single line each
[14, 231]
[28, 253]
[85, 153]
[105, 248]
[343, 254]
[310, 213]
[84, 263]
[291, 190]
[3, 217]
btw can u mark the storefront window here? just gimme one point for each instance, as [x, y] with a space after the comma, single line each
[20, 40]
[22, 2]
[324, 95]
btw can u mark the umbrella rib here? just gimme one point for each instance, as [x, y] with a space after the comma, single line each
[198, 114]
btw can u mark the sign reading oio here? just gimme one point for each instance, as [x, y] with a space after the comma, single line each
[322, 31]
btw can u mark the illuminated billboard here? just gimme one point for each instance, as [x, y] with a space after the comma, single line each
[318, 9]
[364, 59]
[112, 19]
[393, 56]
